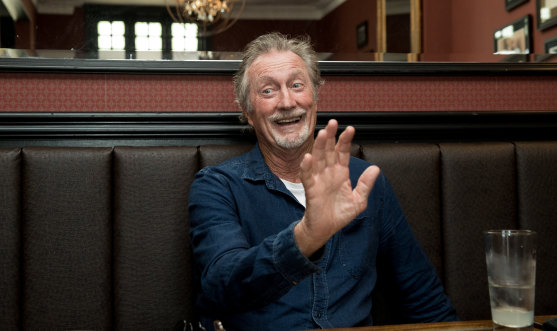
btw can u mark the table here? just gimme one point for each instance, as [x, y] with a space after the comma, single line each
[461, 326]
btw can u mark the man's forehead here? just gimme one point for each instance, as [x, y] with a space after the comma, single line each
[274, 61]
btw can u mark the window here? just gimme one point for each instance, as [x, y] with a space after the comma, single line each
[184, 37]
[148, 40]
[184, 40]
[137, 33]
[110, 39]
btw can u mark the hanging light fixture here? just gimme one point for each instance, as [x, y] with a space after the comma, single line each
[212, 16]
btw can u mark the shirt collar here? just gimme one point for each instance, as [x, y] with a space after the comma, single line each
[257, 170]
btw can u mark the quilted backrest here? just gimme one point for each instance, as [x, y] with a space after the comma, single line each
[97, 238]
[67, 242]
[452, 192]
[10, 237]
[153, 287]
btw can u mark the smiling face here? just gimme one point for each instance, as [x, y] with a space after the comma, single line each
[283, 102]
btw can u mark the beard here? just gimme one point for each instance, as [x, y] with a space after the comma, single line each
[290, 141]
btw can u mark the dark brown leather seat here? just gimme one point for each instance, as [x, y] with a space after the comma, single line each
[97, 238]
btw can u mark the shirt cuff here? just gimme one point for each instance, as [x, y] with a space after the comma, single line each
[288, 259]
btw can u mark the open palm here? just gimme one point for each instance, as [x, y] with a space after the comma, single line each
[331, 204]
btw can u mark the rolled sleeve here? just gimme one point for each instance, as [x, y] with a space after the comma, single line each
[288, 259]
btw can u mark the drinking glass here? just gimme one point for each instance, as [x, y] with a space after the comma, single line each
[511, 272]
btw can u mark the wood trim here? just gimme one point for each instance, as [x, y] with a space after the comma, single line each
[381, 27]
[485, 325]
[31, 11]
[415, 27]
[228, 68]
[143, 129]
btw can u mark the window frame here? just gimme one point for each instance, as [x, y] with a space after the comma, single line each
[130, 15]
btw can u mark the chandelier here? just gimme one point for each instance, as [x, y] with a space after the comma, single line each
[212, 16]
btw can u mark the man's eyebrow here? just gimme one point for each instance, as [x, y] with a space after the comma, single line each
[264, 79]
[268, 79]
[297, 73]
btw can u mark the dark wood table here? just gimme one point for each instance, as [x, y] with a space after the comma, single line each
[462, 325]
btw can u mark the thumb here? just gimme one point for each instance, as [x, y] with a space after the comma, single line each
[366, 182]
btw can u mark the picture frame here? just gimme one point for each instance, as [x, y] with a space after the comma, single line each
[514, 38]
[550, 45]
[361, 34]
[546, 13]
[511, 4]
[550, 51]
[516, 58]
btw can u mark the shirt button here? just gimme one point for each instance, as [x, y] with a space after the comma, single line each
[318, 315]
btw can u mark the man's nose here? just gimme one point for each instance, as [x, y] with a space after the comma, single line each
[287, 100]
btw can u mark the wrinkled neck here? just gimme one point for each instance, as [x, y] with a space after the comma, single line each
[285, 163]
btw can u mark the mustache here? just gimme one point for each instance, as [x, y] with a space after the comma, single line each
[285, 115]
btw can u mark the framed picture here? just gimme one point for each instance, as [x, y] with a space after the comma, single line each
[546, 13]
[550, 46]
[550, 51]
[511, 4]
[515, 58]
[513, 38]
[361, 34]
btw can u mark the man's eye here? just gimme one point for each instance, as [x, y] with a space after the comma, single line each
[296, 85]
[267, 91]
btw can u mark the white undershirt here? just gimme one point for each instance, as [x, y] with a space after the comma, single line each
[297, 189]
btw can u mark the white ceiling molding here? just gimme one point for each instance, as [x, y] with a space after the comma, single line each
[66, 7]
[15, 9]
[290, 10]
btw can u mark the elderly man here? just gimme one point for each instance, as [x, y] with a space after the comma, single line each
[288, 236]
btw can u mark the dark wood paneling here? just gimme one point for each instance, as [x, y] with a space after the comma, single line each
[149, 129]
[221, 67]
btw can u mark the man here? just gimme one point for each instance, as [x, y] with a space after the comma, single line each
[288, 236]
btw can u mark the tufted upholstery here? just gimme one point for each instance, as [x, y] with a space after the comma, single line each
[97, 238]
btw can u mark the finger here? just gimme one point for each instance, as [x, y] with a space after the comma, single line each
[365, 184]
[306, 170]
[318, 151]
[330, 152]
[343, 145]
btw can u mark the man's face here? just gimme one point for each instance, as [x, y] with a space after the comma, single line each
[281, 95]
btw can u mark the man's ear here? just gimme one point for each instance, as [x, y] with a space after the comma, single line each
[244, 118]
[317, 92]
[247, 115]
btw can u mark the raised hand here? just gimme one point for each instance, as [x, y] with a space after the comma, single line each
[331, 204]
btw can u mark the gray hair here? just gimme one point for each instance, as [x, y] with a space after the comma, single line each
[264, 44]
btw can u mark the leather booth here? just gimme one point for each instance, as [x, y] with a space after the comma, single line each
[97, 237]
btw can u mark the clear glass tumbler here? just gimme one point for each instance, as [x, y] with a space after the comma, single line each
[511, 272]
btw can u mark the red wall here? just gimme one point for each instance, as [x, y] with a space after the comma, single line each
[448, 28]
[463, 30]
[56, 32]
[243, 31]
[61, 31]
[328, 34]
[458, 30]
[339, 27]
[28, 92]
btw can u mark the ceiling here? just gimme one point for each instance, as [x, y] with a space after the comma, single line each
[254, 9]
[260, 9]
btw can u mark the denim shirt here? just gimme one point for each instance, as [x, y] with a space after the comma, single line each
[252, 275]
